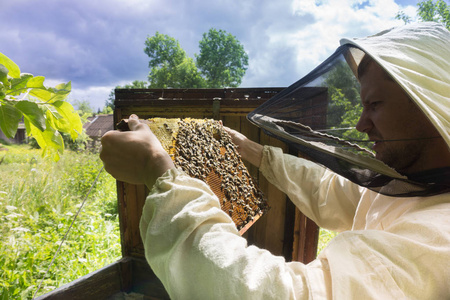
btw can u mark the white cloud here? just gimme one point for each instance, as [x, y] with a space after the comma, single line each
[95, 95]
[329, 21]
[99, 44]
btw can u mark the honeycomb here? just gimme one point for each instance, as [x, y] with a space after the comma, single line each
[202, 149]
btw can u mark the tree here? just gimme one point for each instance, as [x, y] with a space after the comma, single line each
[83, 107]
[222, 62]
[183, 75]
[169, 64]
[222, 59]
[109, 103]
[429, 10]
[163, 50]
[45, 111]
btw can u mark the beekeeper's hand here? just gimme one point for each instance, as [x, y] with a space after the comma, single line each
[134, 156]
[249, 150]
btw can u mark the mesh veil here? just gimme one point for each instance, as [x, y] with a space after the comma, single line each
[317, 116]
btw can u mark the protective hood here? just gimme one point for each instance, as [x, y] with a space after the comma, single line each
[417, 56]
[317, 114]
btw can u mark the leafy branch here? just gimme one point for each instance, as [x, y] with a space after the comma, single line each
[44, 110]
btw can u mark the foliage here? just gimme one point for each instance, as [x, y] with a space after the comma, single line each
[169, 64]
[437, 12]
[109, 104]
[44, 110]
[222, 59]
[84, 108]
[106, 110]
[325, 236]
[78, 144]
[222, 62]
[345, 106]
[428, 10]
[182, 75]
[38, 200]
[163, 50]
[81, 142]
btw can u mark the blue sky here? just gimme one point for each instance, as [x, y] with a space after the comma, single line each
[99, 44]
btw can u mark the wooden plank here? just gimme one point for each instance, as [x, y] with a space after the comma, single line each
[123, 218]
[100, 284]
[145, 281]
[276, 220]
[233, 122]
[132, 198]
[306, 236]
[136, 213]
[127, 275]
[141, 196]
[128, 223]
[268, 232]
[244, 94]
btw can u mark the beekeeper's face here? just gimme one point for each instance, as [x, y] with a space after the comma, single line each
[393, 122]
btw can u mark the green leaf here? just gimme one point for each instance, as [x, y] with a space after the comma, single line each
[3, 74]
[64, 86]
[51, 95]
[33, 113]
[18, 85]
[50, 140]
[9, 119]
[36, 82]
[14, 70]
[69, 120]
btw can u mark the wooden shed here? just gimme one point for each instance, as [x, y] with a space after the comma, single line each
[283, 230]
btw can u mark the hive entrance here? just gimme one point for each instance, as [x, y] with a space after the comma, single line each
[203, 150]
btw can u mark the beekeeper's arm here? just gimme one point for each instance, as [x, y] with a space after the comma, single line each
[325, 197]
[190, 243]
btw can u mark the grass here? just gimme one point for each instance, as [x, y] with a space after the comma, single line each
[38, 200]
[325, 236]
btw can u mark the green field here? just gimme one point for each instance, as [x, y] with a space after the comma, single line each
[38, 200]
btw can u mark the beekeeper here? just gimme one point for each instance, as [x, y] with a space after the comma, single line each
[388, 248]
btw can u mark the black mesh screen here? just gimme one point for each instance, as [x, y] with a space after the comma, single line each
[317, 115]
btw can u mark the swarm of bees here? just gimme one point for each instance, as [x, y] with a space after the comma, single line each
[203, 150]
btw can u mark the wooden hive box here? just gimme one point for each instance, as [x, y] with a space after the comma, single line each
[283, 230]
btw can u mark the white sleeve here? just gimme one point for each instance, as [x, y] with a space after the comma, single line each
[195, 250]
[323, 196]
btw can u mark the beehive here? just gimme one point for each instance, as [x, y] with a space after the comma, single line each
[283, 230]
[204, 150]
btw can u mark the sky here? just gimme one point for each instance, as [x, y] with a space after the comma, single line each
[98, 44]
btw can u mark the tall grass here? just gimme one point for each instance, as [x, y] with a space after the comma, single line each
[38, 200]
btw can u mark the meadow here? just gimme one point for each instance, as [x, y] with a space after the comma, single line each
[38, 200]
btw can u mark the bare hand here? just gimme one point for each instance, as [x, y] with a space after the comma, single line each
[134, 156]
[249, 150]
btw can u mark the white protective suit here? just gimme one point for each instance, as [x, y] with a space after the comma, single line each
[388, 248]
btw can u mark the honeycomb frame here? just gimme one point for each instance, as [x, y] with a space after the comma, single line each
[204, 150]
